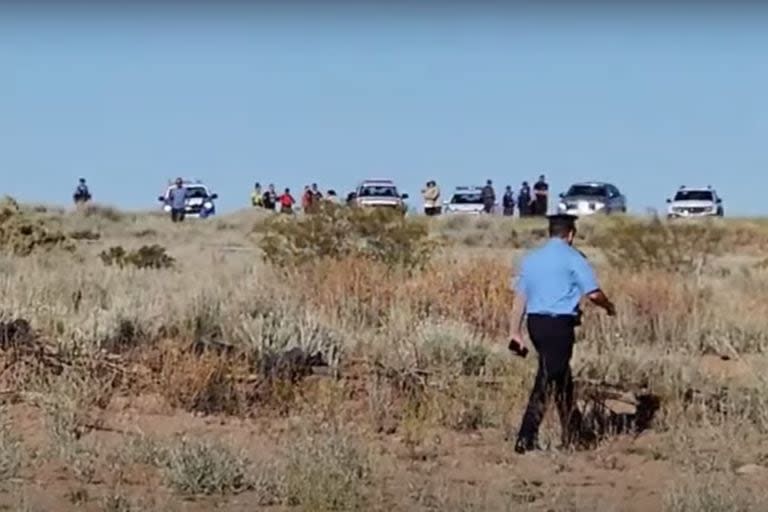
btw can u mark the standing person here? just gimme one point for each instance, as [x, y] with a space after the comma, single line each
[489, 197]
[316, 194]
[524, 199]
[431, 195]
[541, 191]
[257, 197]
[331, 197]
[270, 198]
[286, 201]
[82, 194]
[177, 199]
[508, 202]
[552, 280]
[306, 199]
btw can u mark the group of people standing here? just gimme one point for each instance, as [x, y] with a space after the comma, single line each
[269, 199]
[531, 201]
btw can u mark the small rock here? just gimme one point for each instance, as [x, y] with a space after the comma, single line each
[750, 469]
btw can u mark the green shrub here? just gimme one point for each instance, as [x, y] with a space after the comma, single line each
[147, 256]
[340, 232]
[656, 245]
[201, 467]
[327, 470]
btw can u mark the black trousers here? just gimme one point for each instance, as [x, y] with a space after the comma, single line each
[553, 338]
[177, 214]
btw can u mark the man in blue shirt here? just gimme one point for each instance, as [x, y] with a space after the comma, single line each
[177, 198]
[551, 282]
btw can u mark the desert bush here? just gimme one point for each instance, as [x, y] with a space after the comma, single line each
[101, 211]
[147, 256]
[205, 383]
[326, 470]
[127, 335]
[674, 247]
[340, 232]
[11, 451]
[84, 234]
[712, 493]
[476, 292]
[21, 235]
[140, 449]
[204, 467]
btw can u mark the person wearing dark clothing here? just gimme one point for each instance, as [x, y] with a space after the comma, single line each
[270, 198]
[82, 194]
[351, 198]
[489, 197]
[316, 194]
[508, 202]
[541, 192]
[524, 200]
[551, 282]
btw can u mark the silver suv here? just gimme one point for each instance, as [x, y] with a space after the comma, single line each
[592, 197]
[695, 202]
[379, 194]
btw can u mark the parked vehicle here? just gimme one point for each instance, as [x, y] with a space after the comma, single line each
[588, 198]
[695, 202]
[379, 194]
[466, 200]
[200, 202]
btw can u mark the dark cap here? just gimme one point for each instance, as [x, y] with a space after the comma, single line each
[562, 221]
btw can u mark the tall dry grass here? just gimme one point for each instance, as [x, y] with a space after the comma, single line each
[448, 319]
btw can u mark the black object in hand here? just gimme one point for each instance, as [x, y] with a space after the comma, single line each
[517, 348]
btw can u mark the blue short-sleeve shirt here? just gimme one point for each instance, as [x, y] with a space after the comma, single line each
[177, 197]
[554, 278]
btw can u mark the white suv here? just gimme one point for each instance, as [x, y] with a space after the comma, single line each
[695, 202]
[199, 203]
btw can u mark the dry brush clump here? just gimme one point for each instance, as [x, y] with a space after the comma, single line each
[326, 469]
[637, 245]
[146, 256]
[206, 467]
[422, 347]
[21, 235]
[336, 232]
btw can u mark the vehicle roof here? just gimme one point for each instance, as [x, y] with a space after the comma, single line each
[592, 184]
[377, 182]
[697, 189]
[470, 188]
[191, 185]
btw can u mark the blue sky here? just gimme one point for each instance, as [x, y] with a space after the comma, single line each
[128, 99]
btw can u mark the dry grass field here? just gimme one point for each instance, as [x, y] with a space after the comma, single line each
[144, 366]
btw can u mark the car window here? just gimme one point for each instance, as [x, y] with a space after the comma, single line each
[694, 195]
[587, 190]
[377, 191]
[197, 192]
[467, 198]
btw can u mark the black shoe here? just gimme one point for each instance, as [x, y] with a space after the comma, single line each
[525, 445]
